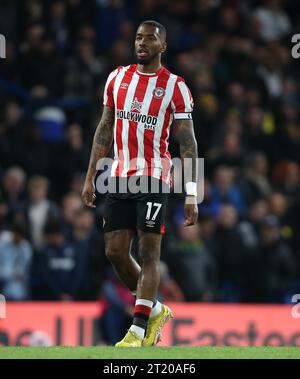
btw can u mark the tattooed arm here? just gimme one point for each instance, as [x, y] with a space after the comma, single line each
[101, 145]
[184, 133]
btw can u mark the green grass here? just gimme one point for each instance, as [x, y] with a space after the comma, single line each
[149, 352]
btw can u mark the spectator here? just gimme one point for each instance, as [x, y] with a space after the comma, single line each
[39, 209]
[192, 265]
[272, 20]
[249, 228]
[110, 16]
[59, 268]
[89, 245]
[260, 134]
[73, 154]
[284, 211]
[70, 205]
[13, 185]
[277, 266]
[228, 253]
[286, 179]
[77, 182]
[83, 71]
[278, 205]
[208, 229]
[224, 190]
[57, 23]
[229, 154]
[255, 183]
[15, 264]
[249, 234]
[12, 136]
[270, 71]
[40, 64]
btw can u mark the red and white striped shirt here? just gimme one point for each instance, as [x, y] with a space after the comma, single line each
[145, 106]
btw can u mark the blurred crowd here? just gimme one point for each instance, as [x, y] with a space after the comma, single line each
[236, 58]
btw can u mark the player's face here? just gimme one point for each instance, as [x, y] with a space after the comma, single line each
[148, 44]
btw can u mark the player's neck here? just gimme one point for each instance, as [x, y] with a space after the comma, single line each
[151, 68]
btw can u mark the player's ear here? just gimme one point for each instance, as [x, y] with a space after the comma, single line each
[164, 47]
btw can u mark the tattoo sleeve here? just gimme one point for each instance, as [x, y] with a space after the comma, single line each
[102, 140]
[184, 134]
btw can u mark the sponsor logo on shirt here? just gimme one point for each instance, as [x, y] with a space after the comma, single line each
[150, 223]
[149, 121]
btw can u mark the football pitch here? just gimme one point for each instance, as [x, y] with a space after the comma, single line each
[109, 352]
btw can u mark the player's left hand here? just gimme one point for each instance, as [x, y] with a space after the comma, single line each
[190, 210]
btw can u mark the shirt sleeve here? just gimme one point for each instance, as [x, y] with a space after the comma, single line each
[108, 94]
[182, 101]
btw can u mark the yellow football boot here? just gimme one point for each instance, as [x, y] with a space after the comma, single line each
[155, 324]
[130, 340]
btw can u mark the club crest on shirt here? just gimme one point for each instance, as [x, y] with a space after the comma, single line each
[124, 85]
[158, 92]
[136, 105]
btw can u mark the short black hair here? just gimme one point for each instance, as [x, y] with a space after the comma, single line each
[161, 28]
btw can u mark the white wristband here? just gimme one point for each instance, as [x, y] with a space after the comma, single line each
[191, 189]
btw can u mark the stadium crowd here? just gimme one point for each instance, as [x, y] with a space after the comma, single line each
[236, 58]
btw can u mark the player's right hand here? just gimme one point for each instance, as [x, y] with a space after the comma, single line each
[88, 194]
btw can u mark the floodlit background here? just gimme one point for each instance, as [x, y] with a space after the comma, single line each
[236, 58]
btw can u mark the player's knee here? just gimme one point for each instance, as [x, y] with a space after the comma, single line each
[114, 254]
